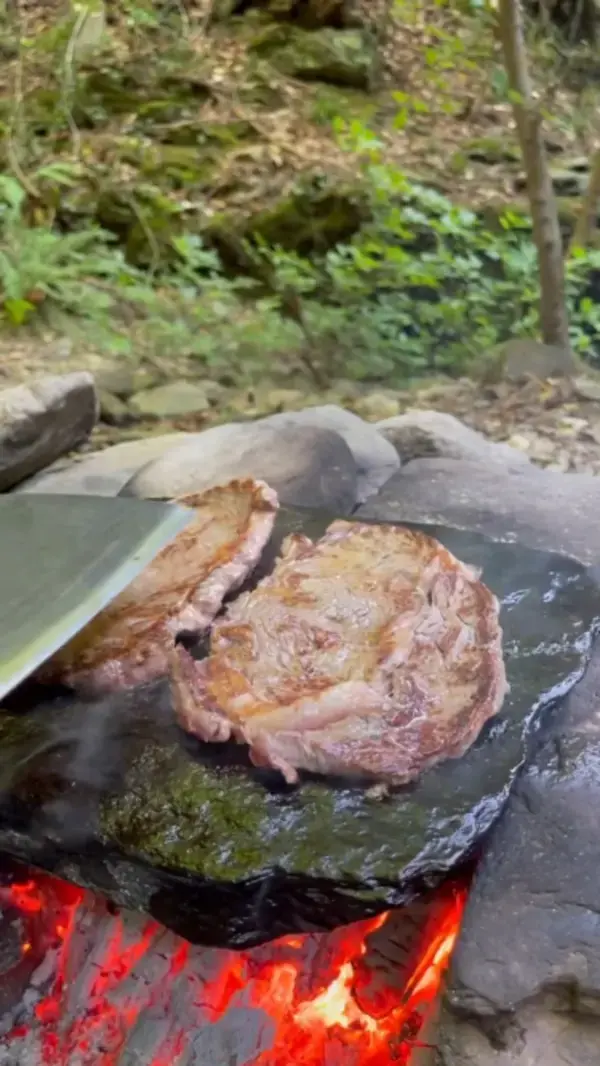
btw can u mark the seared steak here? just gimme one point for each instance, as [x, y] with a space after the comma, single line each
[373, 653]
[181, 590]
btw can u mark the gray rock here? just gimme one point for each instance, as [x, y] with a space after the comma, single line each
[42, 421]
[542, 508]
[103, 473]
[376, 458]
[307, 465]
[123, 380]
[339, 57]
[174, 400]
[521, 358]
[524, 985]
[534, 1036]
[113, 410]
[587, 388]
[421, 434]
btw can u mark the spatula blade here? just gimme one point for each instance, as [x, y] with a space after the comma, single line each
[62, 560]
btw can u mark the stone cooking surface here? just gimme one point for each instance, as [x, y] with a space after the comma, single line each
[112, 795]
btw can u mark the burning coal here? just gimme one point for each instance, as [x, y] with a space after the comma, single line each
[105, 988]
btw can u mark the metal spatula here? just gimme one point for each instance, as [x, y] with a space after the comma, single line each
[62, 560]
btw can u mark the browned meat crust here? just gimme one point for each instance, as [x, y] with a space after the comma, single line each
[373, 653]
[181, 590]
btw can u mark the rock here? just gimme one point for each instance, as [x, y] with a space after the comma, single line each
[377, 406]
[569, 180]
[275, 400]
[376, 458]
[113, 411]
[518, 359]
[42, 421]
[305, 464]
[227, 855]
[542, 508]
[103, 473]
[122, 380]
[587, 388]
[524, 984]
[518, 442]
[537, 1035]
[491, 150]
[420, 434]
[340, 57]
[315, 216]
[175, 400]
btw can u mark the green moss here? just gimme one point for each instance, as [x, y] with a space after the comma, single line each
[173, 165]
[223, 824]
[491, 150]
[458, 162]
[216, 135]
[330, 102]
[340, 57]
[142, 217]
[312, 219]
[175, 813]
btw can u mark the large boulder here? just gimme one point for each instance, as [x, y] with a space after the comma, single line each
[103, 473]
[42, 421]
[524, 985]
[308, 465]
[303, 454]
[521, 358]
[543, 508]
[375, 458]
[422, 434]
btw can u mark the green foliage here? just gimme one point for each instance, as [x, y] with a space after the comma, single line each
[426, 286]
[43, 269]
[80, 283]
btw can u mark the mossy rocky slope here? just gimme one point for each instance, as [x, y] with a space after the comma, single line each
[223, 125]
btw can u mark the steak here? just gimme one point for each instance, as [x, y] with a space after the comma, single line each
[181, 590]
[373, 653]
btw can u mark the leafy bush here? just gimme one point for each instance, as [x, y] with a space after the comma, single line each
[426, 286]
[80, 283]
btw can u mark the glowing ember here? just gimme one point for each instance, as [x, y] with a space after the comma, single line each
[310, 999]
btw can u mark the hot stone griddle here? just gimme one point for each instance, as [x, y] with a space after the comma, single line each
[114, 796]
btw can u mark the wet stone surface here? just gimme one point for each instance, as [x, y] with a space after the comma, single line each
[113, 796]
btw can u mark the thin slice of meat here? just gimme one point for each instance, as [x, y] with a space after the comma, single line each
[182, 590]
[373, 653]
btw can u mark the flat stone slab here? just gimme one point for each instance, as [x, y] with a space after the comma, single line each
[114, 796]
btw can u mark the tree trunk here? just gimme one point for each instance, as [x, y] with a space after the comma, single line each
[544, 213]
[587, 219]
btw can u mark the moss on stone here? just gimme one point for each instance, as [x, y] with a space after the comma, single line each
[340, 57]
[332, 101]
[175, 813]
[491, 150]
[214, 135]
[312, 219]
